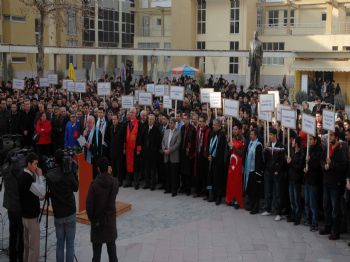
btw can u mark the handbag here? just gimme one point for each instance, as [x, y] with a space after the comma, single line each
[36, 137]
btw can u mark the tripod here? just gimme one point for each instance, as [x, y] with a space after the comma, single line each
[47, 204]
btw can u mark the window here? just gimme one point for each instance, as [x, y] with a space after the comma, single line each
[72, 22]
[201, 16]
[145, 26]
[153, 45]
[346, 48]
[323, 17]
[234, 20]
[128, 28]
[291, 18]
[145, 4]
[19, 60]
[200, 45]
[273, 18]
[334, 48]
[14, 18]
[36, 28]
[167, 59]
[234, 61]
[347, 12]
[273, 46]
[159, 21]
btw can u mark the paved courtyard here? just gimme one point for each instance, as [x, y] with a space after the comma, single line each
[160, 228]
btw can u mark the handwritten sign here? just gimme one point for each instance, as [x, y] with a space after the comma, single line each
[308, 124]
[127, 102]
[71, 86]
[145, 99]
[288, 118]
[53, 79]
[231, 108]
[279, 111]
[267, 103]
[167, 103]
[177, 93]
[104, 89]
[328, 119]
[80, 87]
[215, 100]
[150, 88]
[159, 90]
[44, 82]
[265, 116]
[205, 94]
[18, 84]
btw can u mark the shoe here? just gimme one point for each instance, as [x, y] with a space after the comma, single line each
[290, 220]
[211, 196]
[137, 187]
[181, 191]
[188, 193]
[196, 195]
[306, 223]
[174, 194]
[161, 187]
[325, 231]
[278, 218]
[314, 228]
[266, 213]
[296, 222]
[218, 201]
[146, 187]
[333, 236]
[253, 212]
[166, 192]
[153, 188]
[127, 185]
[205, 198]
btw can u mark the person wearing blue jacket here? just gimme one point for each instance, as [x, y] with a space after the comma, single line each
[72, 132]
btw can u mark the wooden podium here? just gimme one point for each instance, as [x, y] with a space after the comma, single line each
[85, 178]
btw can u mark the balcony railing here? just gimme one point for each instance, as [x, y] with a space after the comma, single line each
[305, 29]
[152, 31]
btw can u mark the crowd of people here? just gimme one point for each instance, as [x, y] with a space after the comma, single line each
[189, 151]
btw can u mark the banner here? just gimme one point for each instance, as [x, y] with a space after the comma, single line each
[44, 82]
[328, 120]
[150, 88]
[177, 93]
[167, 102]
[18, 84]
[215, 100]
[267, 103]
[104, 89]
[145, 99]
[205, 94]
[231, 108]
[159, 90]
[265, 116]
[71, 86]
[289, 118]
[53, 79]
[80, 87]
[281, 107]
[127, 102]
[309, 124]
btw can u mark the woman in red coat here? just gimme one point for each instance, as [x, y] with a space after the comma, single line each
[234, 189]
[43, 129]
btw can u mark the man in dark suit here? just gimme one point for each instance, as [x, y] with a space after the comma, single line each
[84, 117]
[116, 144]
[151, 146]
[187, 150]
[93, 146]
[103, 126]
[171, 147]
[27, 124]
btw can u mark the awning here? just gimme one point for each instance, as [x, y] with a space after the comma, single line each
[321, 65]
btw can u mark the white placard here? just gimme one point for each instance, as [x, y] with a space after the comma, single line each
[309, 124]
[267, 103]
[136, 95]
[18, 84]
[304, 83]
[166, 90]
[265, 116]
[328, 120]
[71, 86]
[65, 83]
[288, 119]
[177, 93]
[150, 88]
[231, 108]
[215, 100]
[44, 82]
[205, 94]
[281, 107]
[277, 97]
[159, 90]
[53, 79]
[145, 99]
[104, 89]
[167, 103]
[127, 102]
[80, 87]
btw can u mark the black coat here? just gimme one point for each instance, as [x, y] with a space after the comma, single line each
[314, 174]
[275, 162]
[4, 122]
[100, 208]
[14, 124]
[27, 124]
[295, 167]
[116, 146]
[151, 144]
[187, 148]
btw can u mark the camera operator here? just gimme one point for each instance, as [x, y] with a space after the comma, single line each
[32, 189]
[63, 182]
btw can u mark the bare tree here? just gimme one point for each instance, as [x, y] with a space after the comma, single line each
[51, 10]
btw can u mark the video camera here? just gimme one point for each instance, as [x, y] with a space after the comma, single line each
[67, 162]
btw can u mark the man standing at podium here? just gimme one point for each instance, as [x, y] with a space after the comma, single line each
[132, 149]
[93, 146]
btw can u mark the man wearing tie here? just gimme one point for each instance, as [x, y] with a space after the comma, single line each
[102, 125]
[93, 146]
[84, 117]
[171, 148]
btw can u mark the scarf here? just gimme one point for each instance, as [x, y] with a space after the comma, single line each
[250, 161]
[213, 146]
[90, 140]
